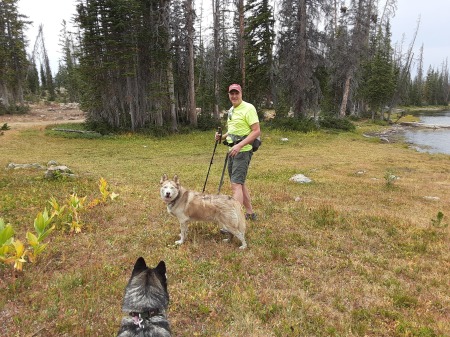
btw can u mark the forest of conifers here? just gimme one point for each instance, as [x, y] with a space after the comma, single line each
[134, 64]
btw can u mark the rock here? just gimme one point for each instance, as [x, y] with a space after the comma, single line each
[58, 171]
[300, 178]
[13, 166]
[427, 197]
[52, 163]
[53, 170]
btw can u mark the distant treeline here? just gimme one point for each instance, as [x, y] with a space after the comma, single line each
[135, 64]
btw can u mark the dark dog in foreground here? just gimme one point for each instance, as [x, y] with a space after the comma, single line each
[190, 206]
[146, 300]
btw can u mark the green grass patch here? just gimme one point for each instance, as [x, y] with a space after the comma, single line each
[341, 255]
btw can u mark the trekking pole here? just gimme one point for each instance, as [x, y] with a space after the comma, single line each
[223, 172]
[219, 131]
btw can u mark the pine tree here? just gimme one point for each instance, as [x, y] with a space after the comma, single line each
[378, 83]
[259, 37]
[123, 62]
[13, 61]
[67, 78]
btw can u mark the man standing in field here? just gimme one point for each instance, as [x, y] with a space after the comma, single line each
[243, 129]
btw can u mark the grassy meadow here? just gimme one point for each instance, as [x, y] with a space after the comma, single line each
[354, 253]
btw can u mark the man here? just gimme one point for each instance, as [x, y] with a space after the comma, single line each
[243, 129]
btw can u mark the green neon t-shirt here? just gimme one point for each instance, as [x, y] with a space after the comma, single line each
[240, 120]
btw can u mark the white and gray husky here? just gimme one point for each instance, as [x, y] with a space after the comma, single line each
[190, 206]
[146, 300]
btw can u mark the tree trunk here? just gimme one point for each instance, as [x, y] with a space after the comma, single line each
[173, 112]
[169, 71]
[130, 101]
[346, 93]
[192, 113]
[299, 107]
[241, 40]
[216, 23]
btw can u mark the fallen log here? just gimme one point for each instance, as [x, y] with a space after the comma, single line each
[77, 131]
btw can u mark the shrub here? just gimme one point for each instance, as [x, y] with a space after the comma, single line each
[206, 121]
[295, 124]
[13, 109]
[335, 123]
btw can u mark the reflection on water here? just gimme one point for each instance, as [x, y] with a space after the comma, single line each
[431, 140]
[438, 118]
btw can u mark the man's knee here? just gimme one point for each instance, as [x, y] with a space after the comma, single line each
[236, 186]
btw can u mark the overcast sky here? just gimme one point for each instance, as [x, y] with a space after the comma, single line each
[433, 33]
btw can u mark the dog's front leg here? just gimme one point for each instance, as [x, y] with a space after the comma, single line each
[183, 232]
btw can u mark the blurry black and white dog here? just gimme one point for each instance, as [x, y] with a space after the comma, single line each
[146, 300]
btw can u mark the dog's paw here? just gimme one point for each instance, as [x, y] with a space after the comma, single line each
[179, 242]
[243, 247]
[226, 240]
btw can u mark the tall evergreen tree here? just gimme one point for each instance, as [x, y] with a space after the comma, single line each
[259, 37]
[68, 75]
[190, 14]
[33, 79]
[13, 60]
[298, 45]
[123, 59]
[360, 20]
[378, 80]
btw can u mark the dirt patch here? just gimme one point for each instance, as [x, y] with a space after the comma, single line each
[41, 116]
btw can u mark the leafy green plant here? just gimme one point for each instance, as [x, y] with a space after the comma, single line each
[6, 239]
[59, 213]
[57, 210]
[390, 178]
[68, 215]
[75, 206]
[43, 227]
[11, 251]
[14, 251]
[104, 190]
[437, 222]
[19, 257]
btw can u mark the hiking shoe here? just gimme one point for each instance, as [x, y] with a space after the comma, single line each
[252, 216]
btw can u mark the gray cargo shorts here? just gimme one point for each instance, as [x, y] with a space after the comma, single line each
[238, 167]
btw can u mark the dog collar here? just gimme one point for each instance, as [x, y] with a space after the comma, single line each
[170, 204]
[139, 317]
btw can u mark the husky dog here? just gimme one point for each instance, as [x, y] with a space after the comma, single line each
[146, 300]
[190, 206]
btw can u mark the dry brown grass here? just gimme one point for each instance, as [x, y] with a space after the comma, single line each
[353, 256]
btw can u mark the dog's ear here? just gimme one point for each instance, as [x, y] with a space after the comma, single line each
[163, 178]
[140, 265]
[176, 180]
[161, 271]
[161, 268]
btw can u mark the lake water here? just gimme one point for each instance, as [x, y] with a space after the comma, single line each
[431, 140]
